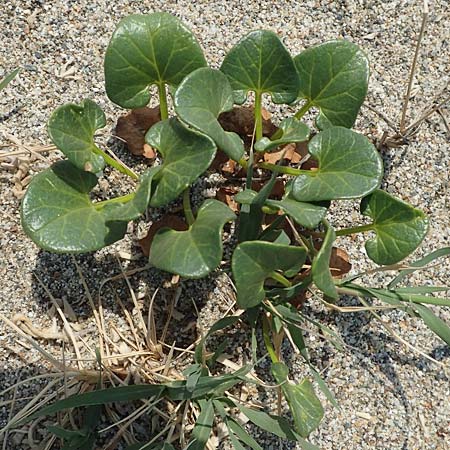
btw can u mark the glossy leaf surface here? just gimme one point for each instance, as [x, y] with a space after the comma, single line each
[195, 252]
[304, 404]
[260, 62]
[349, 167]
[399, 227]
[186, 155]
[58, 215]
[334, 77]
[306, 214]
[148, 49]
[71, 128]
[293, 131]
[252, 264]
[200, 99]
[320, 267]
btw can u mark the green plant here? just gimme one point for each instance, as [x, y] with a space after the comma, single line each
[272, 264]
[9, 77]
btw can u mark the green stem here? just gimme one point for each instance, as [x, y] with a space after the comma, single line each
[267, 342]
[285, 169]
[116, 164]
[163, 101]
[122, 199]
[353, 230]
[280, 278]
[187, 208]
[303, 110]
[258, 116]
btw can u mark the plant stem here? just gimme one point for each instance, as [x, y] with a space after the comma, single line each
[116, 164]
[267, 342]
[122, 199]
[285, 169]
[258, 116]
[280, 278]
[163, 101]
[353, 230]
[303, 110]
[187, 208]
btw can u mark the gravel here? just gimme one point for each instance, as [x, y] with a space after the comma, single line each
[390, 397]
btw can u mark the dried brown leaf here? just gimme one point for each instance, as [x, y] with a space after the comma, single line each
[133, 126]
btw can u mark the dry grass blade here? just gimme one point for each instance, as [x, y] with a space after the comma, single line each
[425, 13]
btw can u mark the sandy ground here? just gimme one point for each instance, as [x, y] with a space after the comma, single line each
[390, 397]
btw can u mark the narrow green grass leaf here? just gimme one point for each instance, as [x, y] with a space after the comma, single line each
[9, 77]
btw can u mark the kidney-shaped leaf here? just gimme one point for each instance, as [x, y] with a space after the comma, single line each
[195, 252]
[320, 267]
[292, 131]
[71, 128]
[305, 214]
[334, 76]
[303, 402]
[186, 155]
[399, 227]
[200, 99]
[148, 49]
[261, 63]
[254, 261]
[349, 167]
[58, 215]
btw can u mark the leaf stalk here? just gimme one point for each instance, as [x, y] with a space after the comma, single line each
[190, 219]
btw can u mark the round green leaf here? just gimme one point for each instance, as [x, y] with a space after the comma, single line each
[334, 77]
[261, 63]
[148, 49]
[293, 131]
[320, 267]
[305, 214]
[58, 215]
[200, 99]
[399, 227]
[186, 155]
[71, 128]
[305, 406]
[196, 252]
[254, 261]
[349, 167]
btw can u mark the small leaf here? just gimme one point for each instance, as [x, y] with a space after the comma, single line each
[293, 131]
[334, 76]
[195, 252]
[58, 215]
[399, 227]
[203, 427]
[148, 49]
[260, 62]
[71, 128]
[186, 155]
[349, 167]
[200, 99]
[305, 214]
[304, 404]
[9, 77]
[254, 261]
[320, 267]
